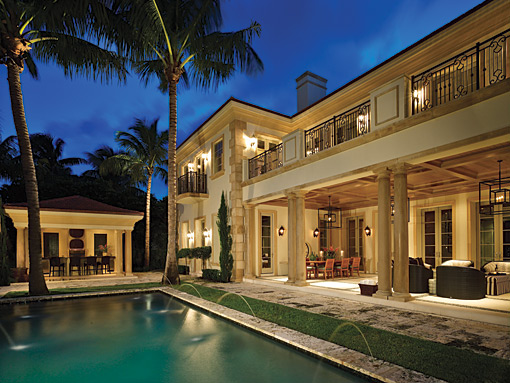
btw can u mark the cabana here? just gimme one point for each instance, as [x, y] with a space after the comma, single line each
[78, 227]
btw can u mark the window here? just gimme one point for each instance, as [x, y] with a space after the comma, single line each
[99, 240]
[50, 241]
[218, 156]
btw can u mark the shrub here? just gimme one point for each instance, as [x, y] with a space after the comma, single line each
[184, 253]
[184, 270]
[203, 253]
[211, 275]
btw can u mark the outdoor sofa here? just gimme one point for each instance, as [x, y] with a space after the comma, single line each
[458, 279]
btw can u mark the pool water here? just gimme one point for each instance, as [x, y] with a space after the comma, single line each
[142, 338]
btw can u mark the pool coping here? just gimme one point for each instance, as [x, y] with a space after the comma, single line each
[331, 353]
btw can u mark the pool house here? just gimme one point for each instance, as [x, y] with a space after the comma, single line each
[80, 236]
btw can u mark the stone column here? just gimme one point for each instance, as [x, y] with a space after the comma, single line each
[300, 239]
[20, 247]
[250, 242]
[291, 237]
[383, 234]
[401, 237]
[117, 240]
[128, 252]
[236, 146]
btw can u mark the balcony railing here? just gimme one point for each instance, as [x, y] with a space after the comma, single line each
[265, 162]
[192, 182]
[478, 67]
[341, 128]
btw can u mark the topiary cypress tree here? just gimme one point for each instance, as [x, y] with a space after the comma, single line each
[226, 259]
[4, 265]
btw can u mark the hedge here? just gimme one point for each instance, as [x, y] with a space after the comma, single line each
[211, 275]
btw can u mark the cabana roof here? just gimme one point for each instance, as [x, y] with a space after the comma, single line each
[76, 203]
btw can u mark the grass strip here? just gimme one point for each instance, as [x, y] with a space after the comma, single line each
[449, 363]
[70, 290]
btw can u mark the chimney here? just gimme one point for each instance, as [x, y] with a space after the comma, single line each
[310, 88]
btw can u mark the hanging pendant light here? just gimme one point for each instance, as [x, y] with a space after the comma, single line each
[498, 193]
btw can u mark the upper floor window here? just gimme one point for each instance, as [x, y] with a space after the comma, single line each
[218, 156]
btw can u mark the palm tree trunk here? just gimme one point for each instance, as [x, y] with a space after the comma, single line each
[36, 282]
[148, 221]
[171, 270]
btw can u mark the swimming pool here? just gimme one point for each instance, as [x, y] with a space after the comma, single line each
[142, 338]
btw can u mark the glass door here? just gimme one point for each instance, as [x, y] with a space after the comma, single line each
[437, 235]
[267, 243]
[494, 238]
[355, 231]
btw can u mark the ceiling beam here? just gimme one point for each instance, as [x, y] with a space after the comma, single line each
[475, 157]
[464, 174]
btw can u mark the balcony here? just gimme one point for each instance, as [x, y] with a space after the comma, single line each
[481, 66]
[265, 162]
[192, 188]
[341, 128]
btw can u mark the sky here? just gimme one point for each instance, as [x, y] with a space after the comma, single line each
[336, 39]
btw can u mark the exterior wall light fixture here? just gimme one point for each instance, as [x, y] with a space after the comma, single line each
[316, 232]
[368, 231]
[281, 231]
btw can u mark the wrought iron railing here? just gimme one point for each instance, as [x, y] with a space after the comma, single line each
[265, 162]
[478, 67]
[192, 182]
[341, 128]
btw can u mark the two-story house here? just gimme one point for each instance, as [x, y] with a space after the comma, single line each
[396, 163]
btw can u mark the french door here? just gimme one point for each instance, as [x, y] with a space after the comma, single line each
[355, 232]
[494, 238]
[267, 246]
[438, 235]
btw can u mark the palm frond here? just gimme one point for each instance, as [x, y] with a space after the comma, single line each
[78, 56]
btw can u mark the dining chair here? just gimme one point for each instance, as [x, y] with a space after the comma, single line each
[75, 262]
[309, 270]
[343, 268]
[59, 263]
[355, 265]
[91, 262]
[329, 268]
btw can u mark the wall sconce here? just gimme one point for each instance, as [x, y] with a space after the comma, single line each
[253, 141]
[281, 231]
[316, 232]
[191, 235]
[368, 231]
[205, 156]
[207, 234]
[191, 167]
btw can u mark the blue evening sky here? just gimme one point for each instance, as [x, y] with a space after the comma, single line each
[336, 39]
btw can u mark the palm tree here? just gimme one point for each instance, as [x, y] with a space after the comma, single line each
[181, 40]
[145, 157]
[47, 152]
[54, 31]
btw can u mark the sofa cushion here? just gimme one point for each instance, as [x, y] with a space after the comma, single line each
[413, 261]
[457, 262]
[490, 267]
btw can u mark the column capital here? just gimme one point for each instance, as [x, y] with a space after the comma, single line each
[249, 206]
[382, 172]
[400, 168]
